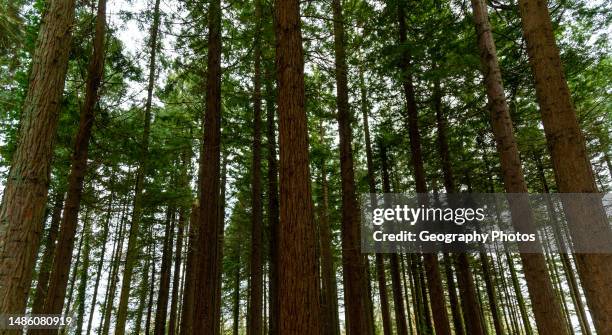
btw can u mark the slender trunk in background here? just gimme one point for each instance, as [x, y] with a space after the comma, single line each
[164, 274]
[396, 283]
[25, 193]
[434, 280]
[329, 294]
[453, 298]
[272, 203]
[84, 276]
[298, 289]
[105, 233]
[573, 172]
[355, 284]
[114, 274]
[186, 327]
[42, 282]
[220, 237]
[380, 263]
[75, 268]
[236, 296]
[151, 294]
[131, 256]
[172, 323]
[256, 262]
[546, 307]
[471, 309]
[65, 244]
[491, 295]
[206, 260]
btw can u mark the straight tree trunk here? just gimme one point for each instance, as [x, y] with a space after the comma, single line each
[143, 162]
[256, 292]
[25, 193]
[164, 275]
[236, 302]
[355, 280]
[573, 172]
[84, 276]
[186, 327]
[206, 260]
[148, 321]
[434, 280]
[105, 232]
[298, 289]
[172, 323]
[380, 263]
[42, 283]
[329, 294]
[546, 307]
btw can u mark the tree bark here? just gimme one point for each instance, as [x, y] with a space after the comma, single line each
[355, 281]
[546, 307]
[25, 193]
[298, 289]
[256, 287]
[164, 275]
[573, 172]
[172, 323]
[434, 280]
[186, 327]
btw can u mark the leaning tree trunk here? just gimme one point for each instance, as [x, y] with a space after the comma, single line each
[573, 173]
[256, 284]
[25, 194]
[65, 244]
[355, 285]
[434, 280]
[546, 307]
[131, 256]
[298, 288]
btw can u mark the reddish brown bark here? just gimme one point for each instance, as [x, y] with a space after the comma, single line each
[164, 275]
[298, 288]
[546, 307]
[186, 327]
[25, 194]
[65, 244]
[573, 172]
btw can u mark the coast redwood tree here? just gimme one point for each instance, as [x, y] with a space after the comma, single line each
[298, 285]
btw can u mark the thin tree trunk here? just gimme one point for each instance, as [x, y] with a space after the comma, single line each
[434, 279]
[452, 295]
[172, 323]
[256, 262]
[105, 232]
[42, 283]
[84, 276]
[148, 321]
[355, 285]
[143, 161]
[298, 289]
[236, 302]
[25, 192]
[164, 275]
[573, 173]
[186, 327]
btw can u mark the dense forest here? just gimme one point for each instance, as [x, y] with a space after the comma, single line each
[196, 167]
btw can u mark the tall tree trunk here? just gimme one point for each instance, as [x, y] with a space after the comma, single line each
[329, 302]
[272, 204]
[256, 290]
[434, 279]
[573, 172]
[236, 296]
[172, 323]
[298, 289]
[151, 294]
[105, 232]
[131, 256]
[190, 273]
[65, 244]
[164, 275]
[380, 263]
[355, 284]
[42, 283]
[25, 193]
[546, 307]
[84, 276]
[206, 260]
[114, 275]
